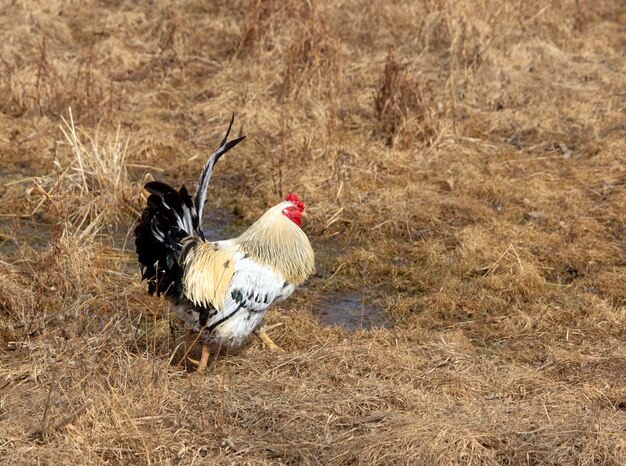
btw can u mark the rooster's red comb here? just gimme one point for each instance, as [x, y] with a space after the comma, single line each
[293, 198]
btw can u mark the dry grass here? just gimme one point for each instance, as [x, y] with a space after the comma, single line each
[400, 100]
[89, 187]
[463, 164]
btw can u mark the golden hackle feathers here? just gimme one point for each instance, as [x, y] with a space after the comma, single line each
[276, 242]
[208, 271]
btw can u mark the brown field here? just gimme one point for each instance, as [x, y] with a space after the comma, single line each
[464, 167]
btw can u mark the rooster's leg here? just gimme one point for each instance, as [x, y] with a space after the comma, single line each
[204, 359]
[267, 340]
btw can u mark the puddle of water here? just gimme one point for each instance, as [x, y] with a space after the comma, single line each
[348, 310]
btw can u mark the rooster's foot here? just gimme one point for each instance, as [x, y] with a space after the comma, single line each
[267, 341]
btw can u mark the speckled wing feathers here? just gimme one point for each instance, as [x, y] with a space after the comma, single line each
[252, 289]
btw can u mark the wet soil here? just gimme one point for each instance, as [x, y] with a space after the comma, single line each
[349, 310]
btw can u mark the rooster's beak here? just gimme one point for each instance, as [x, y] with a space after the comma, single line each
[304, 214]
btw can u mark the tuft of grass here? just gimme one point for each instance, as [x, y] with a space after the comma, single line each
[313, 59]
[262, 24]
[403, 107]
[90, 187]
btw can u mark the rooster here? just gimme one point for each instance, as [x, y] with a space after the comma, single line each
[221, 289]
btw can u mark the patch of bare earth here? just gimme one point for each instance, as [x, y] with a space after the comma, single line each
[464, 167]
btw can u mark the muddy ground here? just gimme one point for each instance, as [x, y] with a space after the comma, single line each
[463, 167]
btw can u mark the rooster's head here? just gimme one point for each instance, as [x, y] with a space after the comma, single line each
[294, 210]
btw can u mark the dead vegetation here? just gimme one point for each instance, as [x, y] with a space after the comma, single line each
[402, 106]
[89, 186]
[313, 59]
[463, 165]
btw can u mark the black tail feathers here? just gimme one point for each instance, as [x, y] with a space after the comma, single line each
[207, 171]
[169, 217]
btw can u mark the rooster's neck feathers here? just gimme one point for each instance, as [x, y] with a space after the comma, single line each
[276, 242]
